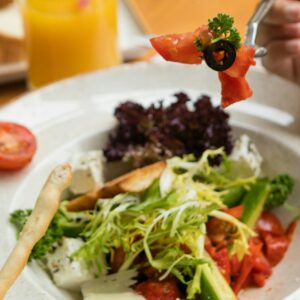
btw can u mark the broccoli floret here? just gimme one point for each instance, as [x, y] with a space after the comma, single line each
[281, 187]
[19, 217]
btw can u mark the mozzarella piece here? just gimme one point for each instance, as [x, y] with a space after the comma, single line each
[66, 272]
[247, 159]
[88, 170]
[111, 287]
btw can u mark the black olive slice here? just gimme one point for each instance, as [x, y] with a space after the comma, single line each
[221, 46]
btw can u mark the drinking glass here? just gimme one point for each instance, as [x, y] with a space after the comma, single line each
[68, 37]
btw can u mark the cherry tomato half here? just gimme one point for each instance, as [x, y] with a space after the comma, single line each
[17, 146]
[269, 223]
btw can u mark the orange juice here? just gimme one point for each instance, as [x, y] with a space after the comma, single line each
[68, 37]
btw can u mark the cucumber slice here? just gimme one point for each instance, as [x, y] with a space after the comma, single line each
[234, 196]
[213, 284]
[254, 202]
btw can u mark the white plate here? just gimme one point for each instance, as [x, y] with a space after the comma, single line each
[75, 114]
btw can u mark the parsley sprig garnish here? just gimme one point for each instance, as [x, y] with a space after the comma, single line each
[222, 28]
[199, 46]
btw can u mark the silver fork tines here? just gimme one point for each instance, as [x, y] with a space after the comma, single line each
[261, 10]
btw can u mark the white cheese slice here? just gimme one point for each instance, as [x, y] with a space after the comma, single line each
[66, 272]
[88, 170]
[247, 158]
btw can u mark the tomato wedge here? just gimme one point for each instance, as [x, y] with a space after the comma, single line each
[233, 89]
[178, 48]
[17, 146]
[243, 61]
[181, 48]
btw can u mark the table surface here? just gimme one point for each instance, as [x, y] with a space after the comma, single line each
[150, 18]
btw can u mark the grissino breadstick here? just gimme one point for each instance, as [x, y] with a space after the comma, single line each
[36, 226]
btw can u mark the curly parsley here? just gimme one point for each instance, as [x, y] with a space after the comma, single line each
[19, 217]
[222, 28]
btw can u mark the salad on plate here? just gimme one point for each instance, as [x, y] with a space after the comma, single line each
[192, 219]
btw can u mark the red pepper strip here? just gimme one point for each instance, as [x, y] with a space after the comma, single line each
[235, 266]
[260, 263]
[236, 211]
[211, 250]
[269, 223]
[255, 262]
[223, 262]
[246, 268]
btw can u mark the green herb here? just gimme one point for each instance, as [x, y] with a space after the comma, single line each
[223, 29]
[43, 246]
[200, 46]
[281, 186]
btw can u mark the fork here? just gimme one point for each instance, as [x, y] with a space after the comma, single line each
[261, 10]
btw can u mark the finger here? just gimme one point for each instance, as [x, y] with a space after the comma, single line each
[269, 32]
[284, 48]
[284, 11]
[279, 59]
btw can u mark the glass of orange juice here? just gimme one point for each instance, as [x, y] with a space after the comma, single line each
[68, 37]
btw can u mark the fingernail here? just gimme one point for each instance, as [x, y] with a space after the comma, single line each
[292, 12]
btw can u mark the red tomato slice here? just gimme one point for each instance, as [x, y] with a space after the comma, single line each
[17, 146]
[269, 223]
[244, 59]
[233, 89]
